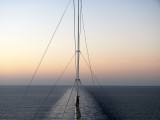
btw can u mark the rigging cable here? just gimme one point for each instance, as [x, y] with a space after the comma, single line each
[87, 102]
[68, 101]
[34, 74]
[53, 87]
[101, 86]
[80, 22]
[74, 31]
[80, 16]
[89, 61]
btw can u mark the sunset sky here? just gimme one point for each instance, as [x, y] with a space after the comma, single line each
[123, 39]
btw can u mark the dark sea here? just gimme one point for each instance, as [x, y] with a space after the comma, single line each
[96, 103]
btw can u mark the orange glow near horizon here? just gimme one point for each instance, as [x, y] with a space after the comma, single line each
[100, 66]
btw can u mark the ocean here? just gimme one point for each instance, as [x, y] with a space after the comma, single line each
[96, 103]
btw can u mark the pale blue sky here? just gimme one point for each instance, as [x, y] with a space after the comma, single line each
[123, 38]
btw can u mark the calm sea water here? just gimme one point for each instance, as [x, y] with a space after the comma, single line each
[109, 103]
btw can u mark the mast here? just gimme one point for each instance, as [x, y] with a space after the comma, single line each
[78, 51]
[77, 109]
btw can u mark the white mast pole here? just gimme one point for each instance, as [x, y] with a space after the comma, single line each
[77, 108]
[78, 51]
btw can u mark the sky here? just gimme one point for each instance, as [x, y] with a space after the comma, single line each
[123, 39]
